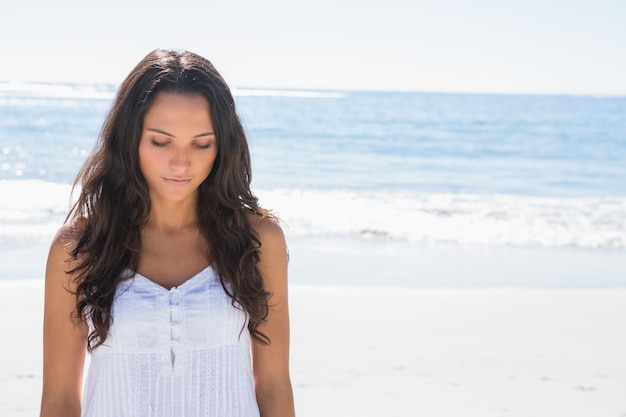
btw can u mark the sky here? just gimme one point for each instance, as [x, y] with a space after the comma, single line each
[489, 46]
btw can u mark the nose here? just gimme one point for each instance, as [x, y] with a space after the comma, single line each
[179, 159]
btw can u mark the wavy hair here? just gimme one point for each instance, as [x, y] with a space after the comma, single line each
[114, 203]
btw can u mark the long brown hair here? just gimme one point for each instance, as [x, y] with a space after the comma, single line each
[114, 204]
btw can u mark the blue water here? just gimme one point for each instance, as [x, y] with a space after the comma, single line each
[573, 146]
[534, 145]
[452, 168]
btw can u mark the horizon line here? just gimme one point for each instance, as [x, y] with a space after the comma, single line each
[331, 91]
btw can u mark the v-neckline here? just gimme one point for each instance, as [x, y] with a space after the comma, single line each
[205, 272]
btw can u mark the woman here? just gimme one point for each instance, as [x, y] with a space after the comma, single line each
[167, 271]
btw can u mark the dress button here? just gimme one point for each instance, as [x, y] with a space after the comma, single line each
[175, 314]
[175, 332]
[175, 296]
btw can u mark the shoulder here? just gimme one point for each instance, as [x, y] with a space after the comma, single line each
[63, 244]
[68, 235]
[273, 246]
[267, 228]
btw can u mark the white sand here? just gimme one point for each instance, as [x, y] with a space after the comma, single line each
[363, 351]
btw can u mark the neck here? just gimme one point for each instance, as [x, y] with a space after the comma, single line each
[172, 217]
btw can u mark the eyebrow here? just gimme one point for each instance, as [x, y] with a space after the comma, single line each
[163, 132]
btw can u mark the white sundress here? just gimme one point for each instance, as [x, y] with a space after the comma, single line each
[183, 352]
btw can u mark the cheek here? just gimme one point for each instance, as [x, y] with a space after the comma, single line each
[143, 161]
[207, 162]
[148, 162]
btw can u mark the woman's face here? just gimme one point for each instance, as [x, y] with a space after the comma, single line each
[177, 147]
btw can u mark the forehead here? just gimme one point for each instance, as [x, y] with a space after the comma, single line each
[178, 109]
[168, 101]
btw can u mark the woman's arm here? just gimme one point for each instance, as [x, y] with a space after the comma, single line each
[271, 362]
[64, 342]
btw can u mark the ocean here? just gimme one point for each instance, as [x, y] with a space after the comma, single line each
[435, 169]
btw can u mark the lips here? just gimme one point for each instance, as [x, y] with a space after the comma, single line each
[177, 181]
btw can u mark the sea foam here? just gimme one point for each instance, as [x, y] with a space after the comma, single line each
[34, 209]
[454, 218]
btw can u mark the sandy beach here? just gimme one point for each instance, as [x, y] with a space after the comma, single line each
[382, 351]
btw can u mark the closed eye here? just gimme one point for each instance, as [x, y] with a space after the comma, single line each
[207, 146]
[157, 143]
